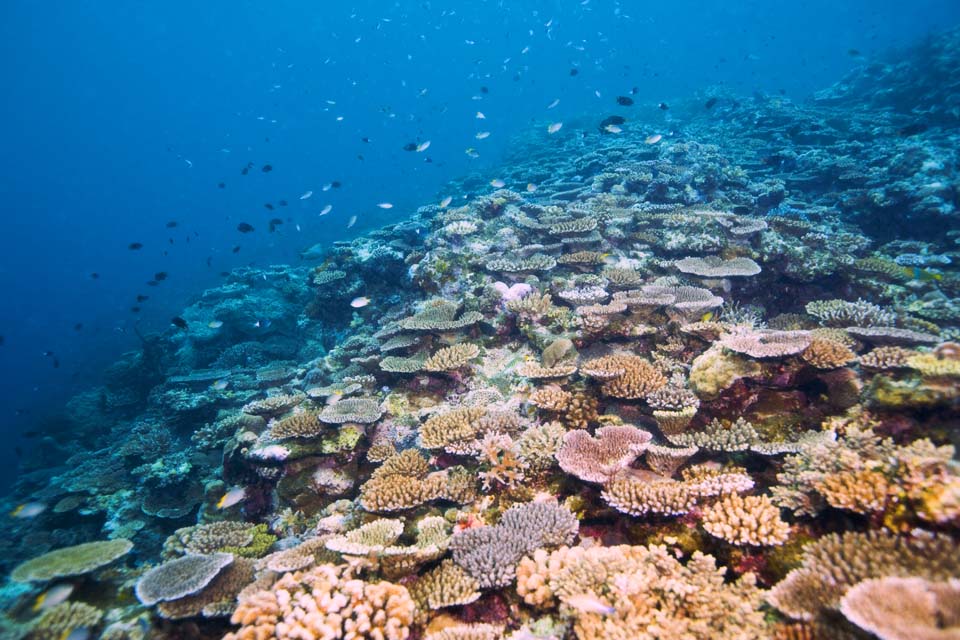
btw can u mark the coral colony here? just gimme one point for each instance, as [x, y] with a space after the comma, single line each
[698, 388]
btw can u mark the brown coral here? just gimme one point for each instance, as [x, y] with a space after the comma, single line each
[750, 520]
[452, 357]
[625, 376]
[827, 354]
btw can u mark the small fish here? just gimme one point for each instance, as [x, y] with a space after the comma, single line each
[267, 168]
[625, 101]
[385, 205]
[589, 603]
[617, 120]
[854, 53]
[222, 185]
[244, 227]
[236, 249]
[471, 152]
[553, 104]
[480, 116]
[497, 183]
[94, 276]
[663, 106]
[160, 276]
[446, 202]
[654, 139]
[410, 146]
[220, 385]
[707, 317]
[483, 135]
[709, 103]
[423, 146]
[531, 187]
[358, 303]
[916, 273]
[554, 127]
[28, 510]
[352, 221]
[274, 223]
[327, 187]
[574, 71]
[269, 206]
[53, 596]
[336, 184]
[612, 128]
[232, 497]
[177, 321]
[215, 324]
[327, 209]
[171, 224]
[142, 298]
[306, 195]
[135, 246]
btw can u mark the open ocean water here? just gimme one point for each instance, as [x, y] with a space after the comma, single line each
[480, 320]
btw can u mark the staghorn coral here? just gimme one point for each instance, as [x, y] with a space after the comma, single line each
[716, 436]
[533, 306]
[827, 354]
[642, 593]
[538, 445]
[439, 315]
[369, 539]
[598, 458]
[750, 520]
[841, 313]
[324, 602]
[475, 631]
[905, 608]
[490, 554]
[451, 358]
[551, 398]
[404, 481]
[181, 577]
[306, 554]
[207, 538]
[860, 490]
[71, 561]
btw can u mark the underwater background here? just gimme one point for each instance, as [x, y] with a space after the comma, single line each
[472, 313]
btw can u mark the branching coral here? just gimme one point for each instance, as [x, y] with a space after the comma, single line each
[827, 354]
[452, 357]
[300, 424]
[405, 481]
[642, 593]
[325, 602]
[625, 376]
[750, 520]
[639, 493]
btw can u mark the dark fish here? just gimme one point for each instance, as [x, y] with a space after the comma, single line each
[574, 71]
[274, 223]
[244, 227]
[222, 185]
[912, 129]
[365, 139]
[160, 275]
[171, 224]
[634, 91]
[94, 276]
[236, 249]
[224, 274]
[179, 322]
[267, 168]
[245, 171]
[269, 206]
[56, 363]
[606, 122]
[32, 433]
[152, 283]
[170, 240]
[360, 156]
[336, 185]
[663, 106]
[78, 326]
[709, 103]
[484, 90]
[142, 298]
[48, 354]
[209, 261]
[282, 203]
[854, 53]
[410, 146]
[135, 309]
[135, 246]
[624, 101]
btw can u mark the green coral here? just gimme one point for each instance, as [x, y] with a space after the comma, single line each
[346, 439]
[257, 548]
[71, 561]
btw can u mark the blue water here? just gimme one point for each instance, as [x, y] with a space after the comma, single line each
[120, 117]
